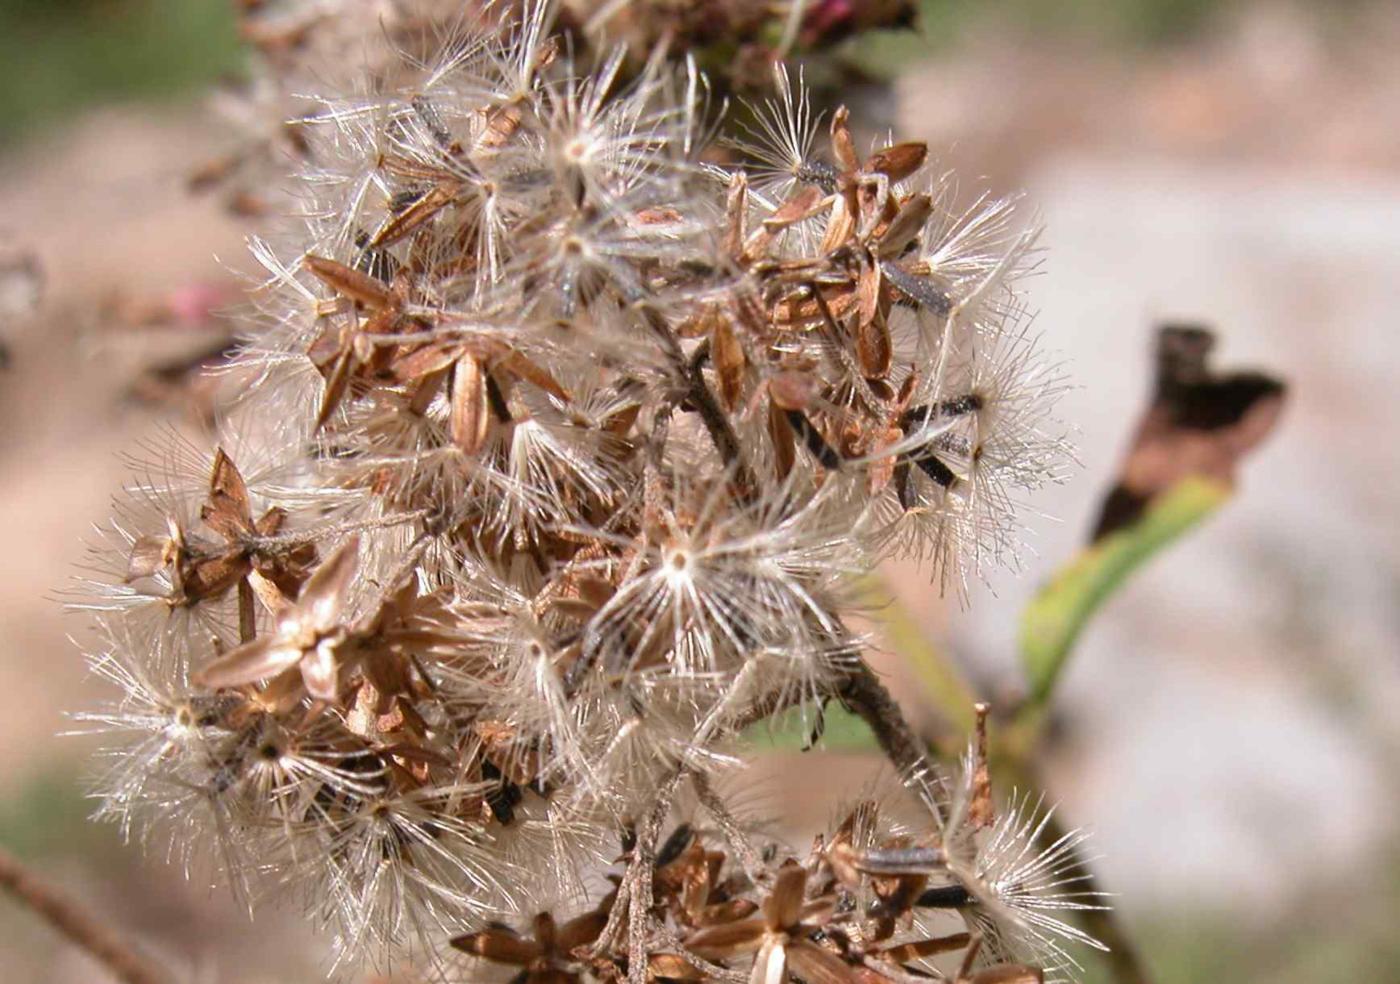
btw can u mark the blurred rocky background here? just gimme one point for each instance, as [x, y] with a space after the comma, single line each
[1230, 725]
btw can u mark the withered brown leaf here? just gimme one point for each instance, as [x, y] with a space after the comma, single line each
[1198, 422]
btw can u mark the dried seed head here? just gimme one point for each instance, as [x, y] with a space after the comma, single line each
[552, 455]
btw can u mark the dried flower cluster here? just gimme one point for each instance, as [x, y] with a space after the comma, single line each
[871, 901]
[300, 44]
[557, 448]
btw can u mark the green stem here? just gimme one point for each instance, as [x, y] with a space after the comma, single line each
[942, 682]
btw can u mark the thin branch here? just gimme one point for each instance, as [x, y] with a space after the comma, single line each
[692, 375]
[607, 940]
[721, 431]
[102, 942]
[298, 538]
[862, 692]
[634, 897]
[749, 857]
[640, 878]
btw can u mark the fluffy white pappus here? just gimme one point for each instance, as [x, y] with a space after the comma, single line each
[277, 777]
[962, 277]
[536, 469]
[634, 736]
[712, 580]
[271, 358]
[557, 846]
[394, 872]
[555, 465]
[142, 572]
[605, 145]
[514, 55]
[160, 631]
[1019, 890]
[553, 472]
[777, 142]
[579, 260]
[1007, 442]
[386, 448]
[977, 437]
[782, 677]
[161, 749]
[977, 253]
[528, 693]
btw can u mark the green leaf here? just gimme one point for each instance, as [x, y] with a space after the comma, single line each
[1053, 620]
[791, 730]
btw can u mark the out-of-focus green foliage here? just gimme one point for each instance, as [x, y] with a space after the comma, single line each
[59, 56]
[48, 816]
[1121, 22]
[1053, 620]
[789, 731]
[1338, 936]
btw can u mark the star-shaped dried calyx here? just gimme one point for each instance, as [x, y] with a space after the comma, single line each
[480, 371]
[315, 635]
[899, 867]
[814, 923]
[551, 955]
[782, 935]
[689, 883]
[346, 348]
[843, 857]
[407, 624]
[1013, 890]
[201, 569]
[477, 369]
[843, 293]
[305, 635]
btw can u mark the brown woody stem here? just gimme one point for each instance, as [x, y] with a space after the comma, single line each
[701, 397]
[721, 432]
[861, 691]
[102, 942]
[639, 880]
[739, 841]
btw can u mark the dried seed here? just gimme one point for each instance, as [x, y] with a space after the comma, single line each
[899, 161]
[423, 210]
[874, 348]
[906, 226]
[347, 281]
[842, 146]
[727, 354]
[470, 414]
[227, 512]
